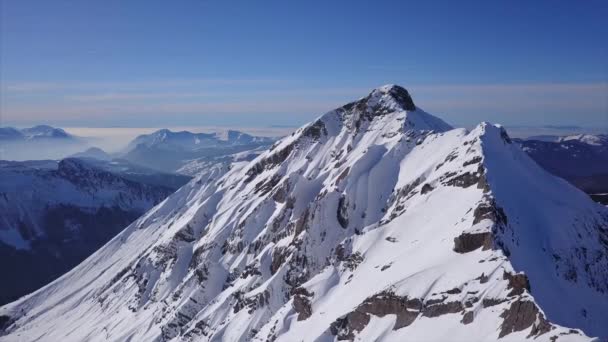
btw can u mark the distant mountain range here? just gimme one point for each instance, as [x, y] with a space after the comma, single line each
[53, 214]
[170, 151]
[38, 142]
[41, 132]
[580, 159]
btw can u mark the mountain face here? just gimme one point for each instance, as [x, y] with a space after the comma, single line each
[55, 214]
[580, 159]
[170, 151]
[377, 221]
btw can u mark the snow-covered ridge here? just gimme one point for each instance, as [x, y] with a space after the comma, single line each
[377, 221]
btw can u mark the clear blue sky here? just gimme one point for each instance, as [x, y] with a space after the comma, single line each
[168, 63]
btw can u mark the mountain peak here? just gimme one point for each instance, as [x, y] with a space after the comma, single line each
[392, 94]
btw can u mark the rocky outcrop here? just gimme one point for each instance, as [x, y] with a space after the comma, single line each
[521, 315]
[382, 304]
[468, 242]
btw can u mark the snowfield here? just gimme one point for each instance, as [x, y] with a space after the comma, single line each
[375, 222]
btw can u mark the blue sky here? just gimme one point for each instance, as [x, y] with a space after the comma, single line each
[260, 63]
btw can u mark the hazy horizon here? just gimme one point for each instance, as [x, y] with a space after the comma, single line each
[103, 64]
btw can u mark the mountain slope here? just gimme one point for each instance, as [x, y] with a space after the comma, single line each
[55, 214]
[375, 222]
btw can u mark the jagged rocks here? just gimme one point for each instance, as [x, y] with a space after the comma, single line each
[474, 160]
[468, 317]
[278, 258]
[488, 302]
[466, 179]
[518, 283]
[491, 211]
[403, 97]
[252, 303]
[301, 303]
[521, 315]
[343, 212]
[185, 234]
[316, 130]
[274, 159]
[468, 242]
[265, 186]
[345, 328]
[440, 309]
[352, 261]
[382, 304]
[426, 188]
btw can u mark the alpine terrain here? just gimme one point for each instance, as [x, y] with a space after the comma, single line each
[55, 214]
[376, 222]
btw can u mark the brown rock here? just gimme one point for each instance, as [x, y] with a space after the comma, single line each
[468, 242]
[518, 283]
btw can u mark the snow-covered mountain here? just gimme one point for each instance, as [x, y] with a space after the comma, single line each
[581, 159]
[591, 139]
[40, 132]
[38, 142]
[375, 222]
[55, 214]
[169, 151]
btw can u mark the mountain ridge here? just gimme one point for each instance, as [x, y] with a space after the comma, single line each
[377, 221]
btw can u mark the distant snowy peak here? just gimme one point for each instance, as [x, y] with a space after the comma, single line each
[44, 131]
[388, 103]
[185, 140]
[40, 132]
[590, 139]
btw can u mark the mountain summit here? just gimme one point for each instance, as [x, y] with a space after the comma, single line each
[377, 221]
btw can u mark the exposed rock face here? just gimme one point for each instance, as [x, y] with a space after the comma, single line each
[468, 242]
[522, 315]
[335, 234]
[518, 283]
[386, 303]
[301, 303]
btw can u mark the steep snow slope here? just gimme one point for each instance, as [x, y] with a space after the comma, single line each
[375, 222]
[55, 214]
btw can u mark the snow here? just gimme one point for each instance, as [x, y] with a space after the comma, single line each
[374, 180]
